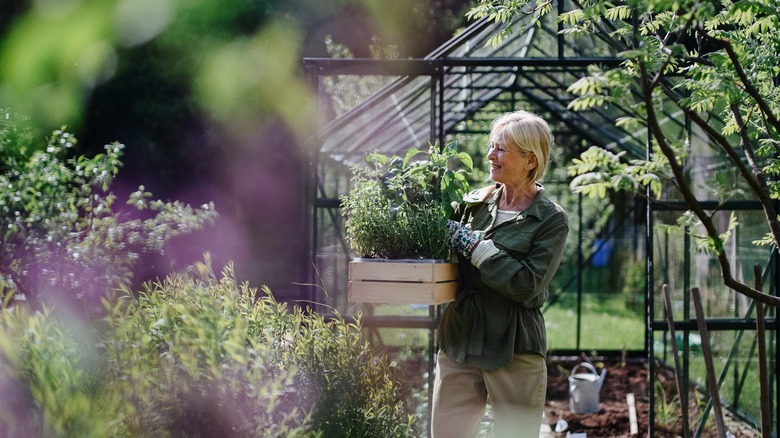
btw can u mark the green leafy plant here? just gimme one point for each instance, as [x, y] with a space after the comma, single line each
[667, 408]
[199, 355]
[61, 230]
[397, 207]
[52, 379]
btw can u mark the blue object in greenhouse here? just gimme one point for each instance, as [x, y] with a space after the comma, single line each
[603, 252]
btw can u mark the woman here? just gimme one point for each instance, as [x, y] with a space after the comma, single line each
[509, 238]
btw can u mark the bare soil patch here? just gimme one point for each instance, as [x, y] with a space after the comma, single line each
[612, 419]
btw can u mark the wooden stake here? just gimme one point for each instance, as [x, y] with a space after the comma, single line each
[766, 419]
[677, 368]
[712, 384]
[633, 426]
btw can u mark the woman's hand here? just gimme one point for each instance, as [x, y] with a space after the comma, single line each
[462, 238]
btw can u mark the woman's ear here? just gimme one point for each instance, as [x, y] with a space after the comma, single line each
[532, 162]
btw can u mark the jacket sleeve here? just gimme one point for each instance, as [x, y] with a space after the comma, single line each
[524, 265]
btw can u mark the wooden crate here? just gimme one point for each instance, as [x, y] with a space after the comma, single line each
[402, 282]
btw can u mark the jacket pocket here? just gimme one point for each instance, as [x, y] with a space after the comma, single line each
[516, 243]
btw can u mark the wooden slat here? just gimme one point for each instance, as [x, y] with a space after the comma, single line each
[388, 292]
[402, 283]
[402, 272]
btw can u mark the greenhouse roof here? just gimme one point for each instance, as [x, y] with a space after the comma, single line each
[427, 99]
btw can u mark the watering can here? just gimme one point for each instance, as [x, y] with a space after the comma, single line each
[584, 389]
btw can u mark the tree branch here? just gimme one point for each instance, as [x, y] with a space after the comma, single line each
[692, 201]
[750, 176]
[766, 201]
[747, 84]
[602, 33]
[660, 75]
[753, 176]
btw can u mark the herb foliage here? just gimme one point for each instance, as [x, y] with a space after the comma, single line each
[398, 206]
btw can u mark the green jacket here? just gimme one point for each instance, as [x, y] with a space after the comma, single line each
[497, 310]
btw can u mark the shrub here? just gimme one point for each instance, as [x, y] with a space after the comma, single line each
[51, 380]
[398, 208]
[195, 355]
[60, 229]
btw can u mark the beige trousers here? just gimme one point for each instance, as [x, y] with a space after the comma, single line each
[516, 394]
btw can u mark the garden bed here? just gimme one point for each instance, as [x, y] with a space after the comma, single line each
[612, 419]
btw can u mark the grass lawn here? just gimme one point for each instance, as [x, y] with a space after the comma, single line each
[606, 324]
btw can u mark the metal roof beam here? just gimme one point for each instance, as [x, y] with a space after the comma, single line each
[418, 67]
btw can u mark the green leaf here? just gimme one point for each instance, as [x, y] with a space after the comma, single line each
[411, 153]
[466, 160]
[376, 158]
[621, 12]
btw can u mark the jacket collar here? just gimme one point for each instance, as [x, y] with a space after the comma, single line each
[536, 209]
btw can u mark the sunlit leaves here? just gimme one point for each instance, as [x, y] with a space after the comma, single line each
[770, 148]
[572, 17]
[59, 222]
[593, 172]
[745, 12]
[601, 87]
[628, 123]
[598, 172]
[588, 85]
[704, 242]
[586, 102]
[503, 12]
[619, 12]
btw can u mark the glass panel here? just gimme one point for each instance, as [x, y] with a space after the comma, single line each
[675, 255]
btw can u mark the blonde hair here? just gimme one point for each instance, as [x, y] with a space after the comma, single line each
[529, 133]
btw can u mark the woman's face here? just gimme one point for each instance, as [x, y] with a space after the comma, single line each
[507, 165]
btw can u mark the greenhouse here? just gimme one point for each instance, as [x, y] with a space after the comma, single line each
[608, 297]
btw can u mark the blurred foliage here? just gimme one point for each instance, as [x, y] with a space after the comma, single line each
[228, 57]
[62, 236]
[53, 379]
[195, 355]
[61, 51]
[208, 96]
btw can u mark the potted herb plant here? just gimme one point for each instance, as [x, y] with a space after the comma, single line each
[396, 214]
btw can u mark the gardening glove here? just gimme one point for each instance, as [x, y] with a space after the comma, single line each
[462, 238]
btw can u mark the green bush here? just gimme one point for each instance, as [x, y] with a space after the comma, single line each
[53, 381]
[196, 355]
[62, 232]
